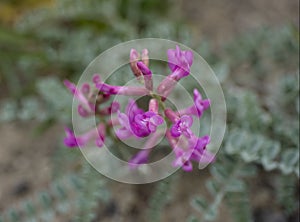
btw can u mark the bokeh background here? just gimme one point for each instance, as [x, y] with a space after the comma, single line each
[253, 46]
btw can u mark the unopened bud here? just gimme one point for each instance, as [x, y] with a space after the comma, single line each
[145, 57]
[134, 58]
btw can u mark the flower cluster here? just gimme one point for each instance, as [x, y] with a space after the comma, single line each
[134, 122]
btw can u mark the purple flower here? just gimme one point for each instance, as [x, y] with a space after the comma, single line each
[125, 131]
[85, 108]
[200, 105]
[145, 57]
[146, 123]
[126, 118]
[147, 75]
[143, 156]
[134, 58]
[188, 150]
[183, 160]
[137, 122]
[97, 134]
[120, 90]
[198, 147]
[113, 108]
[140, 158]
[171, 115]
[180, 62]
[182, 126]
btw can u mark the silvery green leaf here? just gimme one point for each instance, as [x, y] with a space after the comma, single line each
[236, 185]
[269, 164]
[200, 204]
[212, 186]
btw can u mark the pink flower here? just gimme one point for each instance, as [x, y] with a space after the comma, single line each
[134, 58]
[137, 122]
[200, 105]
[113, 108]
[188, 150]
[198, 147]
[182, 126]
[141, 157]
[126, 118]
[146, 123]
[96, 134]
[147, 75]
[183, 160]
[85, 108]
[180, 63]
[120, 90]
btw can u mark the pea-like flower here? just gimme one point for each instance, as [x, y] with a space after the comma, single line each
[199, 106]
[135, 122]
[180, 63]
[85, 107]
[96, 134]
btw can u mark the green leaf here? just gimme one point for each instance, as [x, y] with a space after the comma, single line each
[236, 185]
[289, 158]
[219, 172]
[212, 186]
[200, 204]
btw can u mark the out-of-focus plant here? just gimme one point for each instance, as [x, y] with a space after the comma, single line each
[263, 124]
[61, 41]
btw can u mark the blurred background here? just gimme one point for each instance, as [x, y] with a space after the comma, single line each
[253, 47]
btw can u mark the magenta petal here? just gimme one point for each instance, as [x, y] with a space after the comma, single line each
[134, 55]
[144, 69]
[71, 86]
[171, 59]
[123, 133]
[85, 89]
[96, 78]
[189, 57]
[187, 120]
[132, 110]
[187, 166]
[188, 133]
[175, 131]
[197, 95]
[203, 142]
[123, 120]
[82, 111]
[115, 106]
[206, 103]
[140, 158]
[70, 139]
[99, 142]
[156, 120]
[152, 127]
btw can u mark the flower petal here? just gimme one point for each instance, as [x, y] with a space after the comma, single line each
[187, 120]
[175, 131]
